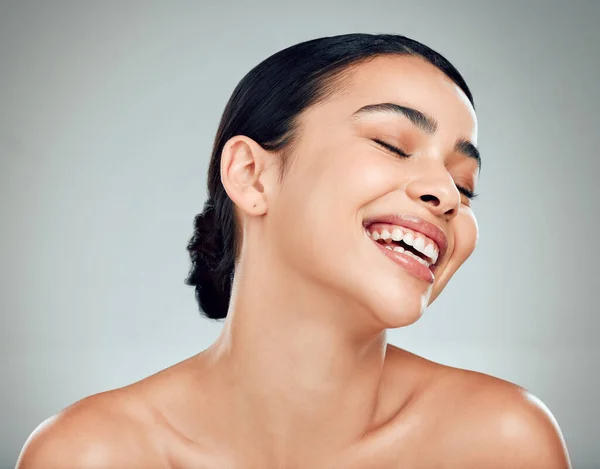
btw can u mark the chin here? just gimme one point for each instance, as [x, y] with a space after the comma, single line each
[398, 305]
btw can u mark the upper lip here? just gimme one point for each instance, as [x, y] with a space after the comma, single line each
[418, 224]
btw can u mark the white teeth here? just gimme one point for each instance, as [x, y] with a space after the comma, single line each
[423, 261]
[421, 244]
[417, 258]
[407, 253]
[397, 234]
[408, 238]
[429, 251]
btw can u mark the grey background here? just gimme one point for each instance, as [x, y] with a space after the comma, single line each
[107, 115]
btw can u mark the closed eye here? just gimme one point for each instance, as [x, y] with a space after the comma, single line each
[469, 194]
[391, 148]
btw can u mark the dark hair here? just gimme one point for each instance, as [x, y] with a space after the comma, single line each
[265, 106]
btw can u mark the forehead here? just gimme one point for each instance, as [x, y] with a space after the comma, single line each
[405, 80]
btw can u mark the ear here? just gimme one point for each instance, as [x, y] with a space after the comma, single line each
[245, 174]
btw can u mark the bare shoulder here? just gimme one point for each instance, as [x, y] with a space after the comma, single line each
[495, 421]
[466, 419]
[105, 430]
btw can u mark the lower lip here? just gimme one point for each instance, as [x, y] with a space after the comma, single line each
[413, 267]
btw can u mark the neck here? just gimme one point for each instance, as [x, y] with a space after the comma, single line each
[298, 370]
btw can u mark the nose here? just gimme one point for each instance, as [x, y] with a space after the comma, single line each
[436, 189]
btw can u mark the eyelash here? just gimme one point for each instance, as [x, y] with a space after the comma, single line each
[469, 194]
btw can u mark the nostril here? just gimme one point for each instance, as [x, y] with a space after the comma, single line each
[430, 198]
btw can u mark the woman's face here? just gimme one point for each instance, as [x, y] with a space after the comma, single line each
[347, 181]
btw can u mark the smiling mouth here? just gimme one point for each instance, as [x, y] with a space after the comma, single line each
[427, 241]
[409, 242]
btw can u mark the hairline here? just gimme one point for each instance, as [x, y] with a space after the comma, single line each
[342, 77]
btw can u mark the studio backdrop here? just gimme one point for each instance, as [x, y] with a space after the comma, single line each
[107, 115]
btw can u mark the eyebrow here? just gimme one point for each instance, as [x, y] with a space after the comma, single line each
[424, 122]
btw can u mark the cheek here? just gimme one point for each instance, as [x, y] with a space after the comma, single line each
[465, 239]
[315, 218]
[344, 180]
[467, 234]
[367, 178]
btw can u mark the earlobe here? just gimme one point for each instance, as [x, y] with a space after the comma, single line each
[242, 172]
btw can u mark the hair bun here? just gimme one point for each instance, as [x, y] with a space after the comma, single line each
[206, 249]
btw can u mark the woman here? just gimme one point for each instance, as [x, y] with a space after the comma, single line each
[339, 206]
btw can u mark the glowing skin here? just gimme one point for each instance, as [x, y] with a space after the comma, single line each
[301, 375]
[340, 176]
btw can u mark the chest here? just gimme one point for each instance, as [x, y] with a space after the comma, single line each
[385, 451]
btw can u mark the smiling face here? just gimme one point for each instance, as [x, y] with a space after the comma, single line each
[393, 151]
